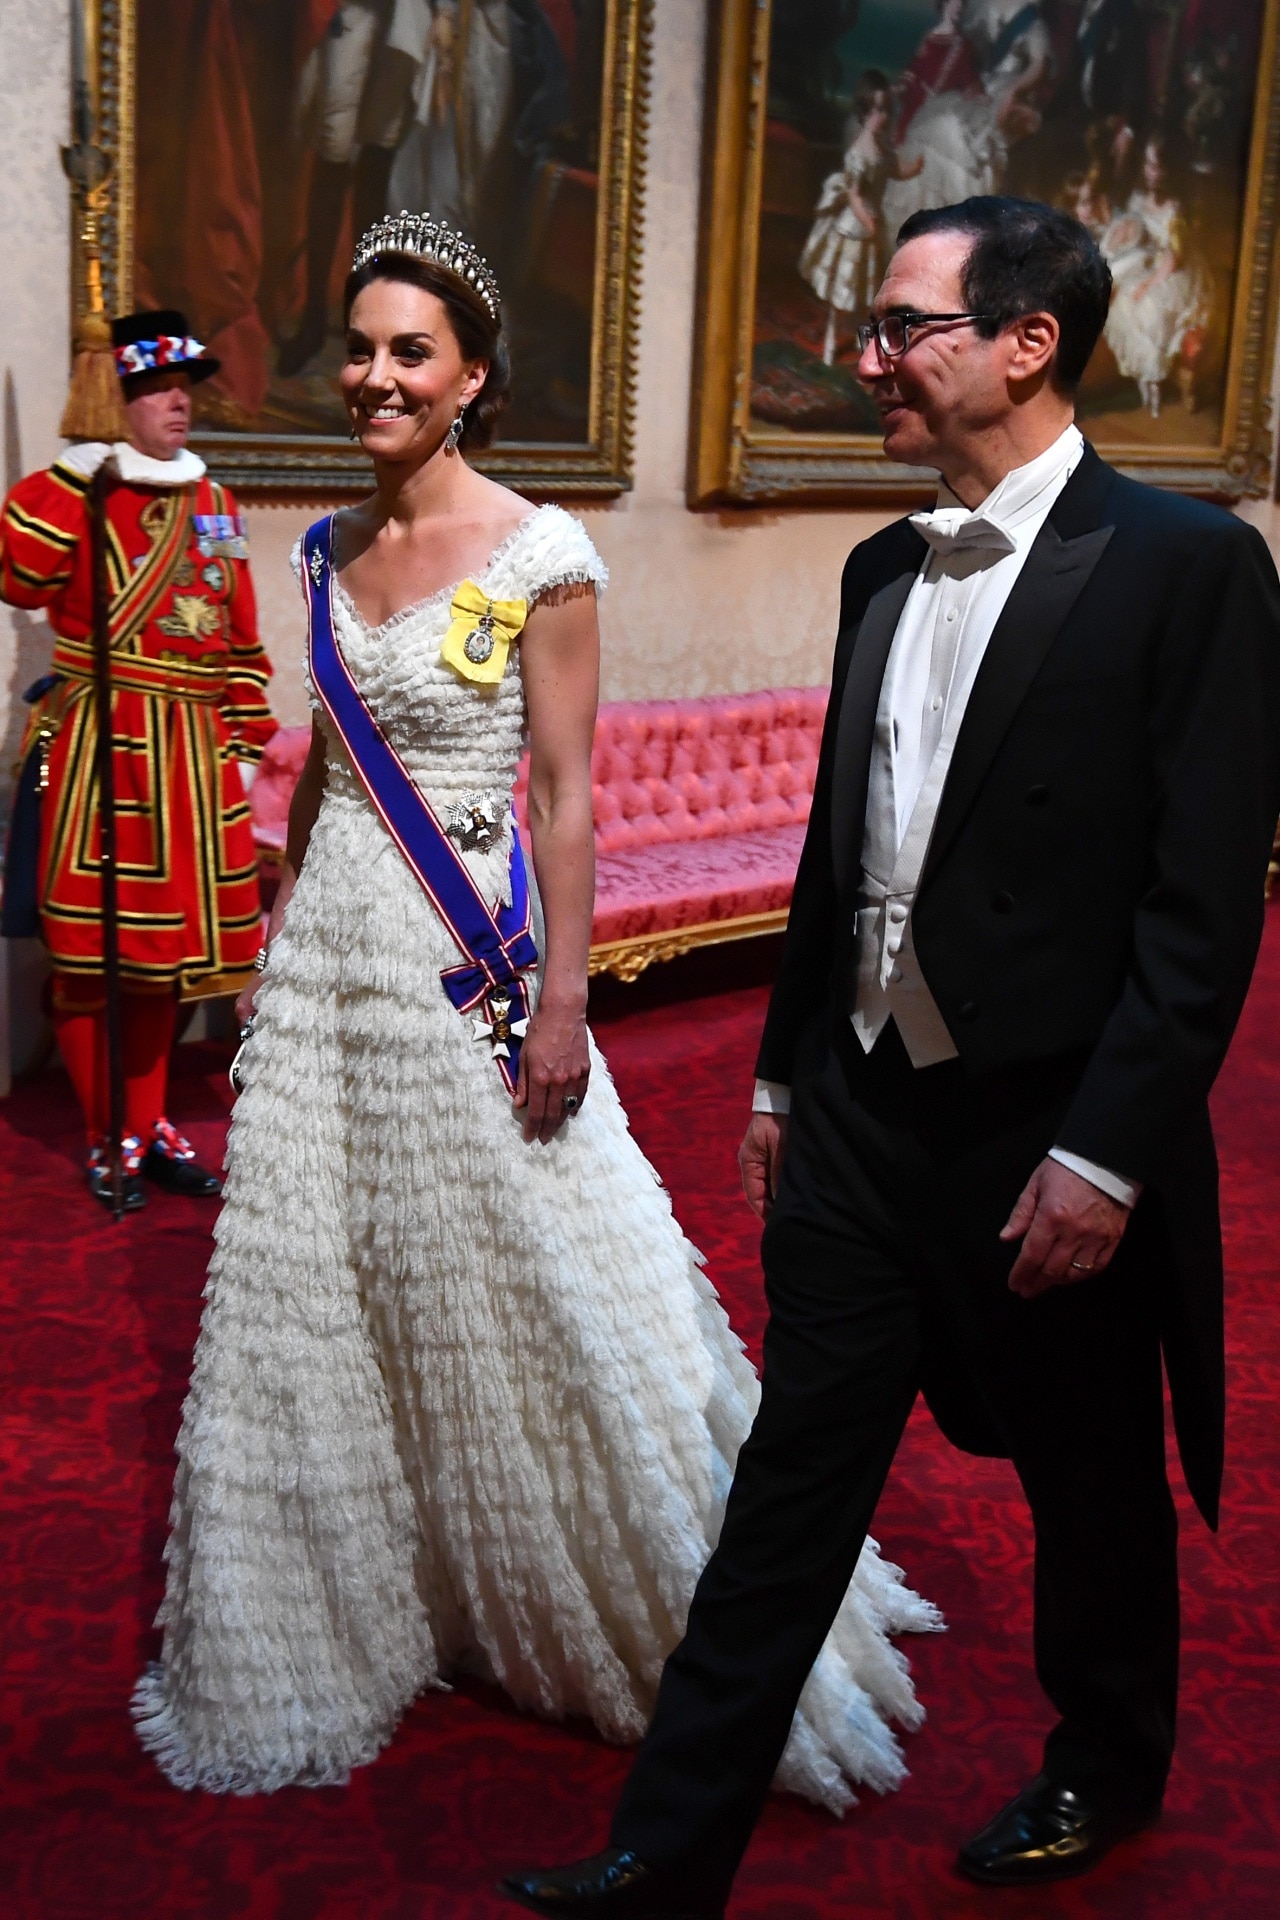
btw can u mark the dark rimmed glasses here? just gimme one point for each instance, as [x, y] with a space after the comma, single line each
[893, 334]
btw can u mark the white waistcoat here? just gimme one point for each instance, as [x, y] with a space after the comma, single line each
[946, 624]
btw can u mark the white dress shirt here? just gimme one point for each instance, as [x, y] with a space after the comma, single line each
[974, 558]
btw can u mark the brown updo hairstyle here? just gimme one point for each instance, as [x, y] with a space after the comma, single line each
[478, 334]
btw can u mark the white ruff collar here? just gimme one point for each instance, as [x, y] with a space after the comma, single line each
[137, 469]
[140, 470]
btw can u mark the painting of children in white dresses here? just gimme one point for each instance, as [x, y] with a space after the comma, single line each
[845, 254]
[1161, 302]
[1132, 115]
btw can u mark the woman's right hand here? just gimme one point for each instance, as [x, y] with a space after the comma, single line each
[245, 1002]
[247, 998]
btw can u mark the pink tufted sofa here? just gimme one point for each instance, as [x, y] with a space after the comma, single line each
[278, 774]
[700, 812]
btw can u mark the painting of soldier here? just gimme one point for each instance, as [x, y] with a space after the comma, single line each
[1135, 115]
[271, 133]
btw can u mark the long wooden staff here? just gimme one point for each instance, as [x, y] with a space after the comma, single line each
[106, 776]
[95, 411]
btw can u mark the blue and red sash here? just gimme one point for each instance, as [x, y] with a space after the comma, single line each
[497, 944]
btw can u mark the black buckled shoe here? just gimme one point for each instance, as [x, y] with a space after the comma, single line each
[98, 1174]
[615, 1882]
[171, 1162]
[1051, 1832]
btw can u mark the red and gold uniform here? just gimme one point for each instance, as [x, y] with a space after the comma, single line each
[189, 676]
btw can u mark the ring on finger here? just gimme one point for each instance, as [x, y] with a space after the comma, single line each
[1082, 1266]
[571, 1103]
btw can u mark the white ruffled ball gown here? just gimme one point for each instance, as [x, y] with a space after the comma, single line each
[459, 1403]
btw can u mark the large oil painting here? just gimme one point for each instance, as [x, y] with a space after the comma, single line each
[255, 139]
[1152, 121]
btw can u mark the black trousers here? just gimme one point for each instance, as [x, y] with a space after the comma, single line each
[883, 1272]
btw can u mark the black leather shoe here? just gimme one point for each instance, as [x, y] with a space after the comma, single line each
[171, 1162]
[180, 1176]
[98, 1174]
[1051, 1832]
[616, 1881]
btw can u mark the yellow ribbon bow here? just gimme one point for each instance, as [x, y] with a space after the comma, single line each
[480, 633]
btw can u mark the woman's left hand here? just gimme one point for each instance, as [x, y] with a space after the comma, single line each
[554, 1066]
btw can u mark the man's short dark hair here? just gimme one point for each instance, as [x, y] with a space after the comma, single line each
[1027, 258]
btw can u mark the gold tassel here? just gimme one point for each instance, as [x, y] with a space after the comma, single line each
[95, 403]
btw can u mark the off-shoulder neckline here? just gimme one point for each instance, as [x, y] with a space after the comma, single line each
[416, 607]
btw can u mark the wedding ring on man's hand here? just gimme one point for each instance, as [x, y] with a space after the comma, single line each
[571, 1103]
[1081, 1266]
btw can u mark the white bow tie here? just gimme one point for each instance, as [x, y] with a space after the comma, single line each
[956, 530]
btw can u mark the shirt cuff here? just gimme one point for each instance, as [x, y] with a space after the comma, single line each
[771, 1097]
[1114, 1185]
[248, 771]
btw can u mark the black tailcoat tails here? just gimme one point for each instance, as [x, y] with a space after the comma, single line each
[1087, 922]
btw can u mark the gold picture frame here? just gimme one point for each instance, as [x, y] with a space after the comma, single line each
[738, 458]
[315, 464]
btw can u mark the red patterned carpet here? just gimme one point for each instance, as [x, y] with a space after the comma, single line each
[96, 1328]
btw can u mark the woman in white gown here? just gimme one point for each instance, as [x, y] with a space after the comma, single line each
[969, 96]
[462, 1399]
[1159, 297]
[948, 124]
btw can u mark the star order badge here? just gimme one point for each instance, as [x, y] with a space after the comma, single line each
[475, 822]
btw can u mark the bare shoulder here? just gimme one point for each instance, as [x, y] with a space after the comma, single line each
[354, 530]
[496, 506]
[562, 591]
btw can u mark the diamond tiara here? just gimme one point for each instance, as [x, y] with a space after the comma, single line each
[434, 240]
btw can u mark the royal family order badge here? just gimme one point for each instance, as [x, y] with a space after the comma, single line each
[481, 633]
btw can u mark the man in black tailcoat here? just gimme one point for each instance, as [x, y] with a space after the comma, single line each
[1024, 923]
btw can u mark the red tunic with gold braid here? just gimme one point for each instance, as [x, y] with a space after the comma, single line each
[189, 678]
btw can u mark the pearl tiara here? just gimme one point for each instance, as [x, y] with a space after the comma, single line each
[435, 240]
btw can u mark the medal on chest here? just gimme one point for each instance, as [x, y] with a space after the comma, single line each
[500, 1029]
[221, 536]
[475, 822]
